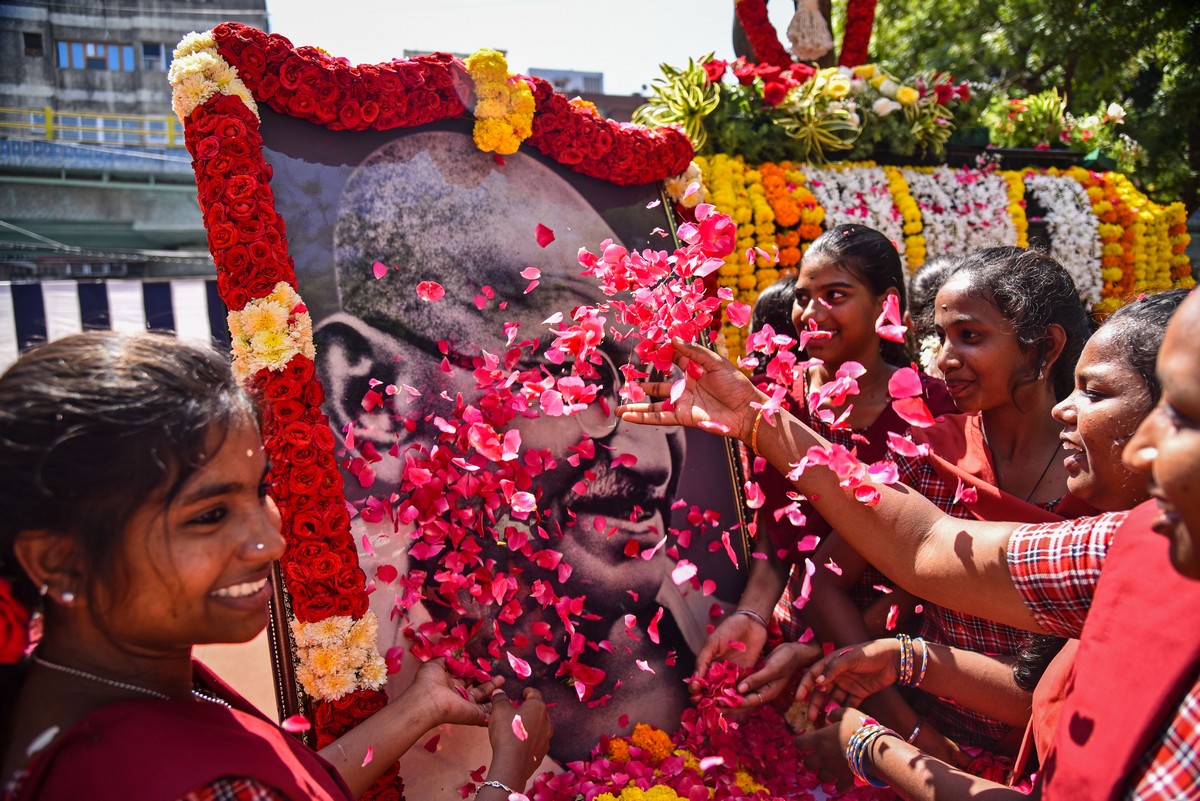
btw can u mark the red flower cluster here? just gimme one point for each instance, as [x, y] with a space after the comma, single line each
[307, 83]
[245, 235]
[776, 80]
[620, 153]
[764, 40]
[14, 625]
[320, 563]
[856, 41]
[335, 718]
[714, 69]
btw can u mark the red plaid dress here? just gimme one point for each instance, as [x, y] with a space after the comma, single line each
[948, 627]
[1056, 568]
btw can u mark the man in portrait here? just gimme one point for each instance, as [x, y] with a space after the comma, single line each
[430, 207]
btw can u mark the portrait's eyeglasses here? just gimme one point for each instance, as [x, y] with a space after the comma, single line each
[599, 419]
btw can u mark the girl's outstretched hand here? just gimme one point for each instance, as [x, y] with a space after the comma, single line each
[520, 736]
[715, 397]
[849, 675]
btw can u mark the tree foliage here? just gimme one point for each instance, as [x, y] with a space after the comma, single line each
[1144, 54]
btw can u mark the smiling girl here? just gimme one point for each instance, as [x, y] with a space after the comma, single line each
[847, 277]
[138, 522]
[1010, 327]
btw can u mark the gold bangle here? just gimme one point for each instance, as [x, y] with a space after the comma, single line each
[754, 433]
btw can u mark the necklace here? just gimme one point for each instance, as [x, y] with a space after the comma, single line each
[1045, 470]
[120, 685]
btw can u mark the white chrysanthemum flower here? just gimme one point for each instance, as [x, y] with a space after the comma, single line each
[194, 42]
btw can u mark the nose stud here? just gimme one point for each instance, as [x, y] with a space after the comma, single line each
[260, 546]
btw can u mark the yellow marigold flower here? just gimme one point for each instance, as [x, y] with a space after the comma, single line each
[906, 95]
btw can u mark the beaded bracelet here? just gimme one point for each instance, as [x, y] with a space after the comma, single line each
[912, 738]
[906, 660]
[924, 661]
[862, 739]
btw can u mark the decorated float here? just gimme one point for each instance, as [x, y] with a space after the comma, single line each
[473, 492]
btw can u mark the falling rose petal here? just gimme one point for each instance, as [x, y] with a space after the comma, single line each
[648, 555]
[833, 568]
[432, 744]
[430, 291]
[905, 383]
[531, 273]
[380, 269]
[806, 636]
[890, 314]
[652, 629]
[806, 586]
[643, 665]
[369, 755]
[677, 389]
[914, 412]
[738, 314]
[728, 545]
[808, 543]
[711, 762]
[519, 666]
[755, 497]
[964, 494]
[553, 319]
[515, 796]
[623, 721]
[885, 589]
[296, 724]
[518, 728]
[654, 204]
[532, 286]
[544, 237]
[630, 621]
[719, 428]
[905, 446]
[684, 572]
[893, 615]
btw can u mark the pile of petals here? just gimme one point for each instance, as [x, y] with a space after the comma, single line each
[713, 756]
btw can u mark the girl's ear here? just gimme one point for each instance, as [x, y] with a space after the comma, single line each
[1056, 340]
[50, 559]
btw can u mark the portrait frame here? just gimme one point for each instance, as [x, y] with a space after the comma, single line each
[220, 77]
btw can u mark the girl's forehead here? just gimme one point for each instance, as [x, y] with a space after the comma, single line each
[821, 271]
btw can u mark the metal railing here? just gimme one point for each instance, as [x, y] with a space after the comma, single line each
[49, 125]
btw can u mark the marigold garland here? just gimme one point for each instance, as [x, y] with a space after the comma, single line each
[504, 104]
[914, 240]
[1016, 205]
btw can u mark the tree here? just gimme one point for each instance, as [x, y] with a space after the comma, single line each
[1144, 54]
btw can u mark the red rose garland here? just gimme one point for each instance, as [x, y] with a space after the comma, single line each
[860, 18]
[764, 40]
[307, 83]
[248, 242]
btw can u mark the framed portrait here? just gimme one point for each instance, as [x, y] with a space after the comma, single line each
[393, 291]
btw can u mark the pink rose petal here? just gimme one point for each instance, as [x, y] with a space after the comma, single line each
[518, 728]
[905, 383]
[430, 291]
[643, 665]
[544, 235]
[519, 665]
[369, 755]
[296, 724]
[914, 412]
[380, 269]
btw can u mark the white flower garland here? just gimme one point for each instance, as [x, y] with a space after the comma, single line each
[198, 72]
[269, 331]
[338, 655]
[857, 194]
[962, 209]
[1074, 230]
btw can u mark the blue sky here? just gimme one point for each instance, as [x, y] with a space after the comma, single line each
[624, 39]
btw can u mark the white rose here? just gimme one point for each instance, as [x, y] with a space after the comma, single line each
[1115, 113]
[883, 107]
